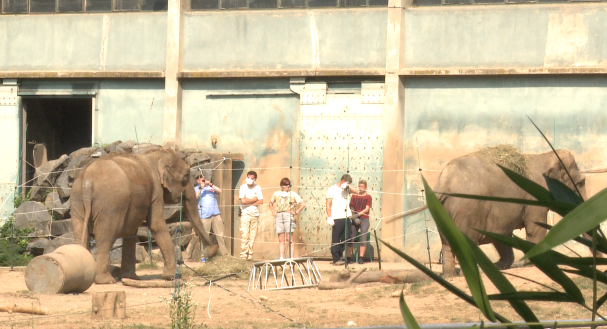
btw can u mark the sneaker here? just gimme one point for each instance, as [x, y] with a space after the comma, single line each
[203, 260]
[360, 260]
[339, 262]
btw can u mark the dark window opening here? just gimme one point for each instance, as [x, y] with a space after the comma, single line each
[14, 6]
[42, 6]
[154, 5]
[62, 125]
[127, 5]
[98, 5]
[66, 6]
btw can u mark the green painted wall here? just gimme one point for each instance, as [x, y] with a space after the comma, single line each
[452, 116]
[506, 36]
[285, 39]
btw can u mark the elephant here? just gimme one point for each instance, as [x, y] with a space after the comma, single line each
[112, 196]
[475, 174]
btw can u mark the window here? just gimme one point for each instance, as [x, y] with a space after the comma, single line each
[78, 6]
[275, 4]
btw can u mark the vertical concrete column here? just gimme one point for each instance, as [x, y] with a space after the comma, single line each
[172, 133]
[394, 130]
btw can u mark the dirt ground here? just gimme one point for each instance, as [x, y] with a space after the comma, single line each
[217, 308]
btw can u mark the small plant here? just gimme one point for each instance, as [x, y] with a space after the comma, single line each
[20, 257]
[147, 266]
[182, 310]
[21, 198]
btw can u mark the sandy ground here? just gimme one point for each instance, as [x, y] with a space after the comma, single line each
[217, 308]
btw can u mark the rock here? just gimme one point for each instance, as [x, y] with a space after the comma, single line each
[37, 247]
[75, 166]
[395, 294]
[112, 147]
[62, 185]
[66, 207]
[45, 177]
[157, 255]
[60, 227]
[142, 233]
[263, 298]
[186, 234]
[144, 147]
[67, 238]
[53, 203]
[126, 146]
[171, 211]
[351, 323]
[84, 152]
[197, 159]
[32, 214]
[99, 153]
[141, 255]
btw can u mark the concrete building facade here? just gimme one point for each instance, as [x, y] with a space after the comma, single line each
[309, 90]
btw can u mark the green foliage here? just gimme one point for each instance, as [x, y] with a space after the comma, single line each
[182, 309]
[20, 257]
[21, 198]
[579, 217]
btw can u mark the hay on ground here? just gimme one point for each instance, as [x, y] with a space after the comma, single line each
[507, 156]
[220, 266]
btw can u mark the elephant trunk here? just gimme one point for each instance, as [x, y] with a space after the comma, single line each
[190, 206]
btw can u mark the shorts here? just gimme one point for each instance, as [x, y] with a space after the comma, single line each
[364, 228]
[282, 222]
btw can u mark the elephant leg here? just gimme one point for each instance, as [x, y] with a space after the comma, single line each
[506, 256]
[127, 266]
[102, 263]
[163, 239]
[448, 261]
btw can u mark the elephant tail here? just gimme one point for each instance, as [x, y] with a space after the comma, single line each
[87, 203]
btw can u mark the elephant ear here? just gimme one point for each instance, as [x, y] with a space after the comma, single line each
[163, 172]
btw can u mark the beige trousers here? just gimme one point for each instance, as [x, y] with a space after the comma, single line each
[215, 224]
[248, 230]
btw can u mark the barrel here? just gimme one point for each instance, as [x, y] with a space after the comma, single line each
[68, 269]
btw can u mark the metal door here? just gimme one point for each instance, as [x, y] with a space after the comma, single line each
[339, 133]
[9, 148]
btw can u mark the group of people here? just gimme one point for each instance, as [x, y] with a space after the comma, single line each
[345, 217]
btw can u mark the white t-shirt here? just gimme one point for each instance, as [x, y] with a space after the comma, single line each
[249, 193]
[339, 207]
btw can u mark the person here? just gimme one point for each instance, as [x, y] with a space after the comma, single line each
[338, 214]
[285, 204]
[206, 194]
[250, 198]
[361, 205]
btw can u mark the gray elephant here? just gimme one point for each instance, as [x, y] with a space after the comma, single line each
[478, 174]
[113, 195]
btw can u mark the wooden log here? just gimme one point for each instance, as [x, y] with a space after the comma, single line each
[109, 305]
[327, 285]
[14, 308]
[148, 283]
[385, 276]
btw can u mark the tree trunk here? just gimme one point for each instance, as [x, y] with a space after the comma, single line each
[14, 308]
[385, 276]
[148, 283]
[324, 285]
[111, 304]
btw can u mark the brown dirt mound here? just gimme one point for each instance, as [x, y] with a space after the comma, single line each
[220, 266]
[507, 156]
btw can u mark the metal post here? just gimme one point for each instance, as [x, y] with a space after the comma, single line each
[150, 247]
[425, 218]
[12, 241]
[378, 251]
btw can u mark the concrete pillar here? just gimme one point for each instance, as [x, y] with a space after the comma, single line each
[172, 134]
[394, 130]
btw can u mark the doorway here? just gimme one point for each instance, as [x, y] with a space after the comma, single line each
[62, 124]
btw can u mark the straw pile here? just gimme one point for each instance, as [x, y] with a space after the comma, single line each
[507, 156]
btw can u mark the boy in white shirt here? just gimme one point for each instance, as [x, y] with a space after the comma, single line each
[250, 198]
[338, 213]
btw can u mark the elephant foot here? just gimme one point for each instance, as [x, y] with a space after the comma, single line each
[503, 265]
[168, 274]
[132, 276]
[104, 279]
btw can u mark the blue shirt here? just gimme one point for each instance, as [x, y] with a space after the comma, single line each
[207, 203]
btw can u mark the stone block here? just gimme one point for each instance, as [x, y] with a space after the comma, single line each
[53, 203]
[144, 147]
[75, 166]
[62, 240]
[141, 254]
[116, 254]
[62, 185]
[186, 234]
[84, 152]
[142, 233]
[126, 146]
[197, 159]
[45, 177]
[38, 246]
[32, 214]
[171, 212]
[60, 227]
[112, 147]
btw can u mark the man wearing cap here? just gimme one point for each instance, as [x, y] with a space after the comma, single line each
[339, 214]
[206, 193]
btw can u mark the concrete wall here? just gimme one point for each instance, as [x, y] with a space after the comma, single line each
[259, 126]
[506, 36]
[285, 39]
[126, 105]
[133, 41]
[453, 116]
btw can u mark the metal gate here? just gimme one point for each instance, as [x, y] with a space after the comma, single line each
[339, 133]
[9, 134]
